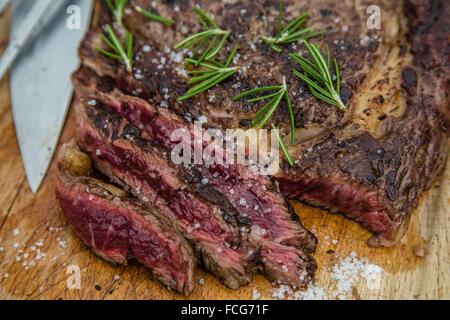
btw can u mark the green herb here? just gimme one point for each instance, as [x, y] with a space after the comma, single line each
[283, 147]
[275, 94]
[211, 34]
[317, 75]
[120, 52]
[293, 32]
[117, 8]
[153, 16]
[210, 74]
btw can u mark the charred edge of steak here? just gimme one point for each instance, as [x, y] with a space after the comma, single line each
[271, 223]
[121, 155]
[117, 227]
[352, 201]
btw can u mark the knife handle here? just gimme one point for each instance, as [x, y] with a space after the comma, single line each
[39, 15]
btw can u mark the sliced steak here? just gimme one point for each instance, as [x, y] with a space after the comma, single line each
[120, 153]
[265, 219]
[117, 227]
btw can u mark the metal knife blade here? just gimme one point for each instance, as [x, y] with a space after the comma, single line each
[40, 85]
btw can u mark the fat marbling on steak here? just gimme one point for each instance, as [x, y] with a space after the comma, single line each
[117, 227]
[370, 163]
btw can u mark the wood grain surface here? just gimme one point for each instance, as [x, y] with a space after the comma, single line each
[37, 246]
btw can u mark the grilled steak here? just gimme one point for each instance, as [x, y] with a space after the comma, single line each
[268, 235]
[371, 162]
[117, 227]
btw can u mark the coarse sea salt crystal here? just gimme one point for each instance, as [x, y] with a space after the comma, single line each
[349, 270]
[146, 48]
[255, 294]
[242, 202]
[345, 274]
[203, 119]
[311, 293]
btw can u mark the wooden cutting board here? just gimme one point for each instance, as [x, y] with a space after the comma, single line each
[37, 246]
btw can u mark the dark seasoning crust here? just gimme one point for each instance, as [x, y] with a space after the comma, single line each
[161, 82]
[372, 171]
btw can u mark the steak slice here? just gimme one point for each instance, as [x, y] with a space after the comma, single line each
[266, 220]
[117, 227]
[131, 162]
[370, 163]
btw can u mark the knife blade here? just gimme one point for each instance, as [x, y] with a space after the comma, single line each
[38, 16]
[40, 85]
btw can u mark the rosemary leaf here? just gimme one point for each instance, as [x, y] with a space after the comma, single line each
[153, 16]
[268, 115]
[293, 32]
[211, 74]
[119, 53]
[291, 116]
[283, 147]
[117, 7]
[211, 34]
[275, 94]
[255, 91]
[317, 75]
[231, 56]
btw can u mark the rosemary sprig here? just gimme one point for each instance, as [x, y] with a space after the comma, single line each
[153, 16]
[117, 8]
[293, 32]
[210, 74]
[211, 34]
[283, 147]
[120, 52]
[317, 75]
[275, 94]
